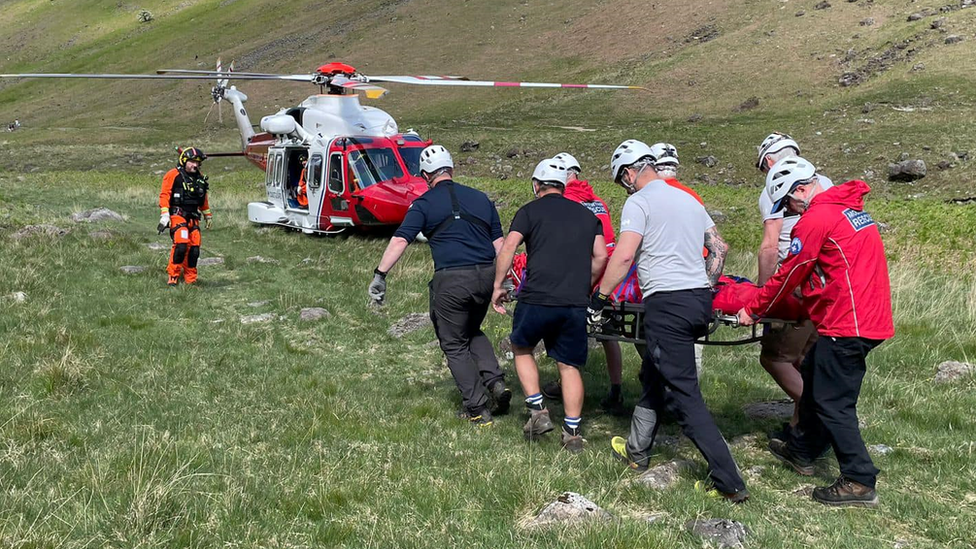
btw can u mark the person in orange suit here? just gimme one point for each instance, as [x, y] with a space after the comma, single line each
[302, 196]
[182, 201]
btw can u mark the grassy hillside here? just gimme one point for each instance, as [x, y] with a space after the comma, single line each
[132, 414]
[701, 60]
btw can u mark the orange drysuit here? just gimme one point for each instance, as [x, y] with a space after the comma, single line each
[302, 196]
[184, 196]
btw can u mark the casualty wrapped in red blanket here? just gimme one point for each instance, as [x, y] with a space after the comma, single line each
[730, 294]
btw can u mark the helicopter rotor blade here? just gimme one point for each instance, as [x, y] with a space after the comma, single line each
[236, 76]
[451, 81]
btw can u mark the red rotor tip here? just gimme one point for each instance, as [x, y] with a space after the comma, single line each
[332, 69]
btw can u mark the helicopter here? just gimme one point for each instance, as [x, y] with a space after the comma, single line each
[361, 171]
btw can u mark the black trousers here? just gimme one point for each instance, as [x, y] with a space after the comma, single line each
[832, 373]
[459, 301]
[672, 323]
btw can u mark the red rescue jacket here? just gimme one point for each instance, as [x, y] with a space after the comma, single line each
[581, 192]
[838, 261]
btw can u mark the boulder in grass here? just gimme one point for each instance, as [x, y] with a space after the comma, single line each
[17, 297]
[952, 371]
[39, 230]
[313, 313]
[569, 509]
[661, 477]
[907, 170]
[132, 269]
[255, 319]
[96, 215]
[724, 532]
[210, 261]
[410, 324]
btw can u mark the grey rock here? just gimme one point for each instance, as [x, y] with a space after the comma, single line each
[822, 5]
[16, 297]
[867, 22]
[903, 157]
[569, 509]
[901, 543]
[101, 235]
[39, 230]
[697, 117]
[716, 215]
[158, 246]
[708, 161]
[915, 17]
[512, 153]
[848, 79]
[256, 304]
[409, 324]
[469, 146]
[868, 107]
[962, 155]
[953, 39]
[918, 67]
[883, 227]
[880, 449]
[755, 471]
[661, 477]
[261, 259]
[748, 104]
[132, 269]
[210, 261]
[774, 409]
[651, 518]
[724, 532]
[908, 170]
[96, 215]
[944, 165]
[953, 371]
[254, 319]
[801, 13]
[938, 23]
[313, 313]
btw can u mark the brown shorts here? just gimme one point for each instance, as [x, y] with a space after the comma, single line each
[789, 343]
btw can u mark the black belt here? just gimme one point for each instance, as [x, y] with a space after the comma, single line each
[465, 267]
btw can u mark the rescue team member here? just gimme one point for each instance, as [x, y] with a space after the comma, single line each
[838, 260]
[782, 349]
[669, 228]
[302, 196]
[579, 191]
[182, 199]
[464, 234]
[565, 255]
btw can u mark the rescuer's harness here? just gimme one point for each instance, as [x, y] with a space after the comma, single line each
[457, 214]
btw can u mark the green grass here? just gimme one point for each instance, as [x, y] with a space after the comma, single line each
[132, 414]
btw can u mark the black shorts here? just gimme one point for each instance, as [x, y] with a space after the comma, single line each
[563, 329]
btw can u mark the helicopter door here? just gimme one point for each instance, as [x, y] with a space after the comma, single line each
[274, 179]
[335, 204]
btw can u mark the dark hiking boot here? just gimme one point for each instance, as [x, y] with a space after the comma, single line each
[782, 434]
[781, 451]
[573, 441]
[552, 390]
[613, 405]
[538, 424]
[501, 396]
[844, 492]
[481, 419]
[618, 446]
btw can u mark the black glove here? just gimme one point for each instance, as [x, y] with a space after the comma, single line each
[377, 288]
[594, 312]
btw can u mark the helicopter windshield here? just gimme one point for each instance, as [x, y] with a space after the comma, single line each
[411, 157]
[370, 166]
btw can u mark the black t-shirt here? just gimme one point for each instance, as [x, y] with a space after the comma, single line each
[559, 235]
[462, 243]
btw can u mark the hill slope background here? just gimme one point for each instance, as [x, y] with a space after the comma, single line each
[720, 72]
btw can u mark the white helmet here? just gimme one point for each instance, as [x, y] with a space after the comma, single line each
[784, 176]
[773, 143]
[570, 161]
[627, 153]
[550, 171]
[434, 158]
[665, 153]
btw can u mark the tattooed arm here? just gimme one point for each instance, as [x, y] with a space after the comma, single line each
[717, 249]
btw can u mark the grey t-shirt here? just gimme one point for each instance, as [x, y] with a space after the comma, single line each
[789, 221]
[672, 224]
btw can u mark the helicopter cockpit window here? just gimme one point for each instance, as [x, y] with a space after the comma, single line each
[411, 157]
[315, 171]
[370, 166]
[335, 174]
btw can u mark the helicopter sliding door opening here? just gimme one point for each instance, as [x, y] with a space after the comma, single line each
[296, 179]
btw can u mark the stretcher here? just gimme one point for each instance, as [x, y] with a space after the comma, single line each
[624, 322]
